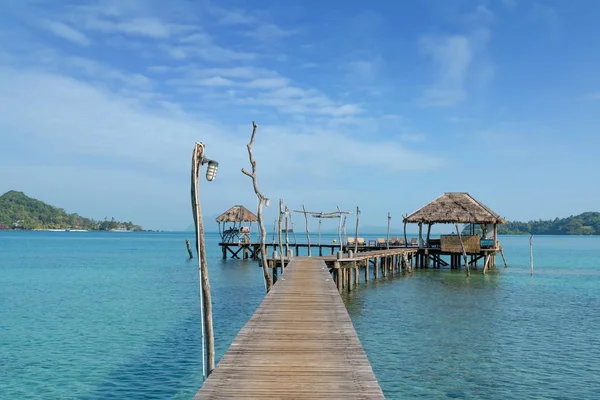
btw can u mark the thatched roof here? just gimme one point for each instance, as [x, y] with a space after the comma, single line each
[237, 214]
[457, 207]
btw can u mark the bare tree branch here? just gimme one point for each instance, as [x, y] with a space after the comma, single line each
[261, 201]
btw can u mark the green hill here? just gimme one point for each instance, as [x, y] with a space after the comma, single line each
[18, 211]
[587, 223]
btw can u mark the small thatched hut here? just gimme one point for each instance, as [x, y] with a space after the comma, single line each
[236, 215]
[457, 208]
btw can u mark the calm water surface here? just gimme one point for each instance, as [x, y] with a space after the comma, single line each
[116, 315]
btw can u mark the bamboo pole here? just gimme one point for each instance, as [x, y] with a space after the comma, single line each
[208, 345]
[262, 200]
[463, 251]
[189, 249]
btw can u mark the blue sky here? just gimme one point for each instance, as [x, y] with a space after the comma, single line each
[381, 104]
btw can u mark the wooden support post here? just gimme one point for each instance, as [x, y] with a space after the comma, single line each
[274, 270]
[376, 267]
[463, 251]
[350, 280]
[356, 273]
[485, 264]
[387, 238]
[384, 266]
[367, 271]
[279, 237]
[428, 234]
[338, 276]
[224, 248]
[298, 250]
[356, 232]
[420, 235]
[306, 224]
[320, 251]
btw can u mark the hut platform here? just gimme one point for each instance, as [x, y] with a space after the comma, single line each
[300, 343]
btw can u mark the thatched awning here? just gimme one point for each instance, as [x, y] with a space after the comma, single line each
[237, 214]
[457, 207]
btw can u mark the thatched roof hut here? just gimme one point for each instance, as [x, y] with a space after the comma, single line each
[237, 214]
[455, 207]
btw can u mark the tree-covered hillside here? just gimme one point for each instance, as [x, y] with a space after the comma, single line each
[587, 223]
[18, 211]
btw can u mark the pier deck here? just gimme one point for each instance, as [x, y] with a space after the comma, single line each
[300, 343]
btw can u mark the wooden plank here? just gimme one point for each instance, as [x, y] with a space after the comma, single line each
[300, 343]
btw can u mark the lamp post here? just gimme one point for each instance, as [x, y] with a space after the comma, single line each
[208, 346]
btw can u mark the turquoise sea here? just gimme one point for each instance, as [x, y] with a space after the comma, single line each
[116, 316]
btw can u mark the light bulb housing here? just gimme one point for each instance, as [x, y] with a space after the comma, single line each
[211, 170]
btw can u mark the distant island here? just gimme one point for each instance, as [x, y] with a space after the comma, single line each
[587, 223]
[20, 212]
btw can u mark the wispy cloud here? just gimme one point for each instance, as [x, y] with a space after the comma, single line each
[456, 60]
[594, 96]
[203, 46]
[452, 56]
[64, 31]
[269, 32]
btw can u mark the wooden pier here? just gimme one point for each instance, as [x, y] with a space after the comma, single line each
[252, 250]
[300, 343]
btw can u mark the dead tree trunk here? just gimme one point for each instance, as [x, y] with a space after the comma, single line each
[205, 299]
[261, 201]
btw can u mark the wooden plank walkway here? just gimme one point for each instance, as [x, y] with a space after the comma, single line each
[299, 344]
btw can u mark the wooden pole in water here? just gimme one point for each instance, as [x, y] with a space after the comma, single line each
[463, 251]
[189, 249]
[531, 255]
[387, 237]
[356, 233]
[205, 298]
[319, 243]
[262, 200]
[503, 258]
